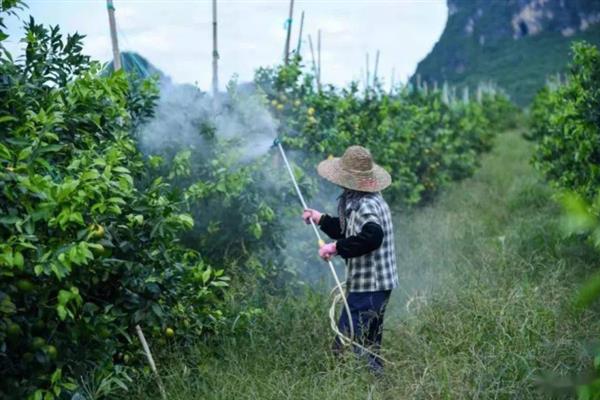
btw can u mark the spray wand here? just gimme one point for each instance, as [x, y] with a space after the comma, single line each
[340, 290]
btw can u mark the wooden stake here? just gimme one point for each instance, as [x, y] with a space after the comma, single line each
[367, 72]
[300, 34]
[314, 63]
[375, 68]
[215, 52]
[151, 361]
[319, 55]
[113, 35]
[286, 51]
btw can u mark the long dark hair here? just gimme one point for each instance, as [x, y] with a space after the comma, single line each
[348, 199]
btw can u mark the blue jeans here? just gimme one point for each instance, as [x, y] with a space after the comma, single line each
[367, 310]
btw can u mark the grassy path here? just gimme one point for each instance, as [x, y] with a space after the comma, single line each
[483, 312]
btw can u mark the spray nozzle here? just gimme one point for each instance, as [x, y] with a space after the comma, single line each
[276, 142]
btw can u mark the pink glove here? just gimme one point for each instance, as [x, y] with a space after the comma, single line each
[309, 214]
[327, 251]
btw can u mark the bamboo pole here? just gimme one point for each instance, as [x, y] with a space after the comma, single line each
[151, 361]
[375, 68]
[319, 55]
[113, 35]
[314, 63]
[215, 52]
[367, 77]
[286, 55]
[300, 34]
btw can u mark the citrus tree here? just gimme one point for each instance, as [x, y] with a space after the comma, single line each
[89, 246]
[565, 123]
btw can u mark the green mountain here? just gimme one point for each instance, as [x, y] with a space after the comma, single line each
[516, 44]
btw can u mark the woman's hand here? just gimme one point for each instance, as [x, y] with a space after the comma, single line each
[310, 214]
[328, 251]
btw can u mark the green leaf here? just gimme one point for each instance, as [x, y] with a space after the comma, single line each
[186, 220]
[90, 175]
[206, 275]
[7, 306]
[577, 217]
[589, 292]
[62, 312]
[5, 153]
[121, 170]
[25, 153]
[256, 230]
[18, 260]
[7, 118]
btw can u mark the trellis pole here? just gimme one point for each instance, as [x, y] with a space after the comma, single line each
[300, 34]
[375, 68]
[367, 75]
[319, 55]
[113, 35]
[314, 63]
[286, 55]
[215, 52]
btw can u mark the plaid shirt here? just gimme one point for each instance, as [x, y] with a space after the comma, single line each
[375, 270]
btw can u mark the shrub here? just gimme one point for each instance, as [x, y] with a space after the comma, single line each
[87, 249]
[422, 141]
[566, 125]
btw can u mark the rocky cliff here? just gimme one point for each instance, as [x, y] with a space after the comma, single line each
[514, 43]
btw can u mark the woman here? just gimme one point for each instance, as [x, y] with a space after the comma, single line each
[364, 239]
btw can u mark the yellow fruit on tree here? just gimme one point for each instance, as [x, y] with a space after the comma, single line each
[37, 343]
[50, 351]
[169, 332]
[279, 107]
[310, 111]
[97, 248]
[97, 230]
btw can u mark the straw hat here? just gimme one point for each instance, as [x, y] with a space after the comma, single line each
[355, 170]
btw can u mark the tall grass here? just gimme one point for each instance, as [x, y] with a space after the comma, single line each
[484, 310]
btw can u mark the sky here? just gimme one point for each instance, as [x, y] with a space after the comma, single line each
[176, 35]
